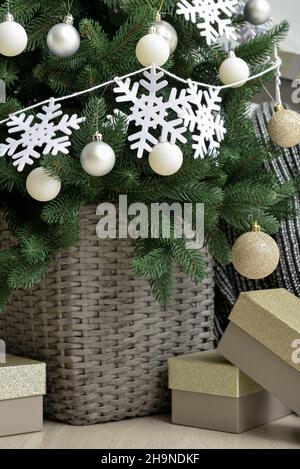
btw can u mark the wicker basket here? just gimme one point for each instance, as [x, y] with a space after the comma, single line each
[104, 338]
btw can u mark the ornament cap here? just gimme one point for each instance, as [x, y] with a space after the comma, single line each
[158, 16]
[232, 54]
[69, 19]
[9, 17]
[278, 107]
[255, 227]
[162, 140]
[97, 137]
[152, 30]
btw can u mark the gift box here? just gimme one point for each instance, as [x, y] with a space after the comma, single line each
[263, 340]
[22, 386]
[209, 392]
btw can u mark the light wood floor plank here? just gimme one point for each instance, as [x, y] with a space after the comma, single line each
[155, 432]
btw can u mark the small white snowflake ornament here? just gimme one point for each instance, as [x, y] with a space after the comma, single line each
[202, 117]
[213, 17]
[150, 111]
[47, 133]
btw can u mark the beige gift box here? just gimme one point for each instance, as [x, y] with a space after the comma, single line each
[22, 386]
[261, 340]
[209, 392]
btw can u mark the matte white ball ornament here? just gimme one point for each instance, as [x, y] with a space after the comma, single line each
[41, 186]
[97, 158]
[233, 70]
[13, 37]
[257, 12]
[63, 39]
[168, 32]
[152, 49]
[165, 159]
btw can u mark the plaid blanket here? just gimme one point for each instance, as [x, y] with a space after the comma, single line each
[229, 283]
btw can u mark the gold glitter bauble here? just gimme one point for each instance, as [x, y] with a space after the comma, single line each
[284, 127]
[255, 255]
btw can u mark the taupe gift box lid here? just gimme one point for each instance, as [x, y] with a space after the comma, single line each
[209, 373]
[259, 340]
[22, 386]
[209, 392]
[21, 377]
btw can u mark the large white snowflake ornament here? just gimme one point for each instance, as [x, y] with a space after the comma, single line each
[213, 17]
[190, 109]
[150, 111]
[203, 119]
[44, 133]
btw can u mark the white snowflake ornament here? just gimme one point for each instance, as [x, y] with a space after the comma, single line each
[213, 17]
[203, 119]
[190, 109]
[150, 111]
[36, 135]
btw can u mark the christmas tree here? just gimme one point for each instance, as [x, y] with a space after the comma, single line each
[234, 186]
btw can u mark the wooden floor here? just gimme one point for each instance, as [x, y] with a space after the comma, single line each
[155, 433]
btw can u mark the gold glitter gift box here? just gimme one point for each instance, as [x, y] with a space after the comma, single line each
[209, 392]
[263, 340]
[22, 386]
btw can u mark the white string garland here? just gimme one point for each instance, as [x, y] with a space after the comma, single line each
[273, 66]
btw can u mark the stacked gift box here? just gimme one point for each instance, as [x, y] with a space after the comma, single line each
[22, 386]
[253, 378]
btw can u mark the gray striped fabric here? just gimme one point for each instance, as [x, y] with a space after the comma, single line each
[229, 283]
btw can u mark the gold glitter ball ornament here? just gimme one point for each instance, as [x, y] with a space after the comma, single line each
[255, 255]
[284, 127]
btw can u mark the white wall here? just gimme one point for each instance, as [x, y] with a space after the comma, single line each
[289, 10]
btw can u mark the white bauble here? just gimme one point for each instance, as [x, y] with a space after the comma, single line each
[257, 12]
[166, 30]
[41, 186]
[13, 37]
[165, 159]
[97, 158]
[63, 39]
[152, 49]
[234, 70]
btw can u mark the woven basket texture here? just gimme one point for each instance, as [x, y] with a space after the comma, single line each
[104, 338]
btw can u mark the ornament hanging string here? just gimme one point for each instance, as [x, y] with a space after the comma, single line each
[277, 99]
[273, 66]
[158, 14]
[68, 6]
[278, 79]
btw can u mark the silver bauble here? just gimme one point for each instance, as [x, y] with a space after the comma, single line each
[97, 158]
[166, 30]
[63, 39]
[257, 11]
